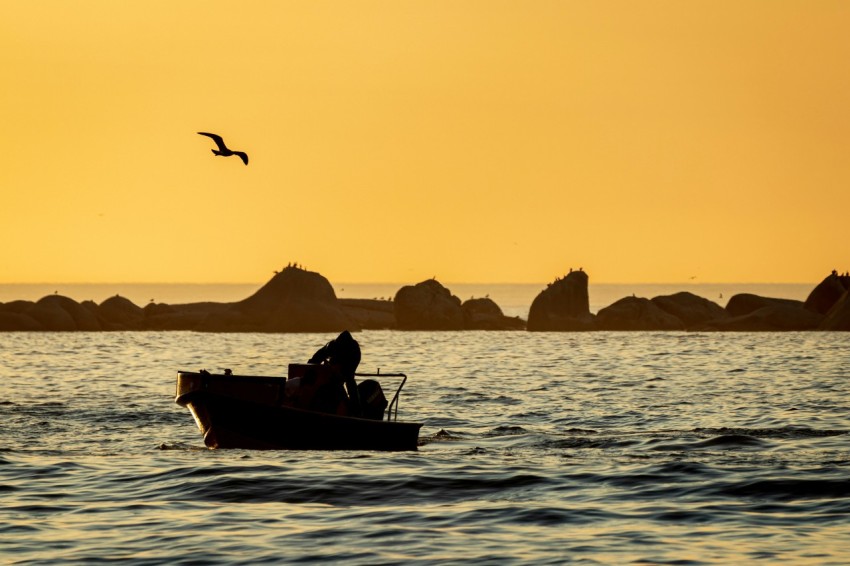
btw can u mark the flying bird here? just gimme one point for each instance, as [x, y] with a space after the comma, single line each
[223, 150]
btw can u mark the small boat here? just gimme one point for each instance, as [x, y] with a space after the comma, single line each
[259, 412]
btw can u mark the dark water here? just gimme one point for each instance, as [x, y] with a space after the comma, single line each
[600, 448]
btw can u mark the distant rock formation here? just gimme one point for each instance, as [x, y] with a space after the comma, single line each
[485, 314]
[120, 313]
[427, 306]
[13, 316]
[83, 317]
[294, 300]
[478, 314]
[153, 310]
[691, 309]
[160, 316]
[53, 312]
[746, 303]
[371, 314]
[773, 317]
[752, 313]
[827, 293]
[636, 313]
[838, 317]
[563, 306]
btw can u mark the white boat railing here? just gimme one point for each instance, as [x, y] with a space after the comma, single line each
[392, 407]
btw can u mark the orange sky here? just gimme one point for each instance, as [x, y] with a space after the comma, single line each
[488, 141]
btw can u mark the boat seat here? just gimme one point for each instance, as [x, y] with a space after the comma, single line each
[313, 387]
[300, 370]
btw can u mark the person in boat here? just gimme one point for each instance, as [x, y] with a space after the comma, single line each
[343, 355]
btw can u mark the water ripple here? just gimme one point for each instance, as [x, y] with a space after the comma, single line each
[537, 448]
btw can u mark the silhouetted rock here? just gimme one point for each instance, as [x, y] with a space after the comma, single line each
[13, 317]
[309, 317]
[826, 294]
[202, 307]
[636, 313]
[297, 300]
[15, 322]
[51, 313]
[158, 309]
[160, 316]
[691, 309]
[294, 300]
[291, 284]
[746, 303]
[485, 314]
[372, 314]
[16, 306]
[52, 316]
[120, 313]
[564, 305]
[754, 313]
[83, 318]
[427, 306]
[778, 316]
[838, 317]
[90, 306]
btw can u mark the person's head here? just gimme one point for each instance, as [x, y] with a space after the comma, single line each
[345, 351]
[345, 337]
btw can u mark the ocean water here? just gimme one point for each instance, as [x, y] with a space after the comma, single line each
[514, 299]
[537, 448]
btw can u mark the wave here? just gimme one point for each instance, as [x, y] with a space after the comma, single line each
[782, 432]
[264, 484]
[785, 489]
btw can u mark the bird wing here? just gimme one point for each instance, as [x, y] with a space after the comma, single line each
[217, 139]
[242, 155]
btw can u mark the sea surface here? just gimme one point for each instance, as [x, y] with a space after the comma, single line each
[537, 448]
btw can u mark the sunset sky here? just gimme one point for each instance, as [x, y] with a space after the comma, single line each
[474, 141]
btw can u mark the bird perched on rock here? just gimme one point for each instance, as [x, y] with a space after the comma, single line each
[223, 150]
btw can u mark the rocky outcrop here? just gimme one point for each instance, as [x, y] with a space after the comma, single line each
[691, 309]
[746, 303]
[15, 321]
[753, 313]
[564, 305]
[427, 306]
[51, 316]
[153, 310]
[779, 316]
[13, 316]
[478, 314]
[160, 316]
[294, 300]
[636, 313]
[82, 318]
[485, 314]
[51, 313]
[372, 314]
[90, 306]
[120, 313]
[838, 317]
[297, 300]
[827, 293]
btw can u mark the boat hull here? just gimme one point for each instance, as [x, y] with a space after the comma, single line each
[248, 412]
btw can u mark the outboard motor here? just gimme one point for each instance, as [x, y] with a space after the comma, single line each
[372, 400]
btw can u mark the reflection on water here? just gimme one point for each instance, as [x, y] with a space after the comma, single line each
[537, 448]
